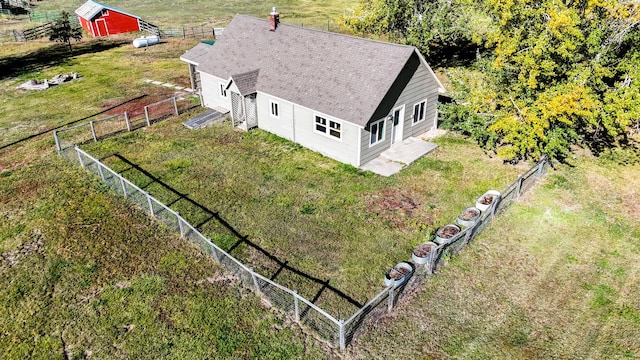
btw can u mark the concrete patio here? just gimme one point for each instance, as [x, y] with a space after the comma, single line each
[398, 156]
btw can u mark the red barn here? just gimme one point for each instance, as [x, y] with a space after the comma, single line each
[102, 20]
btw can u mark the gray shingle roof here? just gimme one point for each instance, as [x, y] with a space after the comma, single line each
[195, 55]
[91, 8]
[246, 82]
[339, 75]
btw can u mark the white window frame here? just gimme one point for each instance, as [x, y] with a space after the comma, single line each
[328, 125]
[105, 12]
[378, 139]
[274, 105]
[223, 90]
[415, 121]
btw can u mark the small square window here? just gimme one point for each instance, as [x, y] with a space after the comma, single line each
[275, 111]
[419, 111]
[223, 91]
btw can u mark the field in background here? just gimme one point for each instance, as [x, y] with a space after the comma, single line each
[218, 12]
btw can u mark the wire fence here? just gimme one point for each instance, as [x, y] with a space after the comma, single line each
[337, 332]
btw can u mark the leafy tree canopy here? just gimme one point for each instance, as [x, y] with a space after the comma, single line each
[554, 73]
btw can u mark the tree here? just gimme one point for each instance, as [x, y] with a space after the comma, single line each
[63, 31]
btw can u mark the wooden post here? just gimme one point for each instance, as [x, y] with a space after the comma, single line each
[150, 204]
[215, 253]
[124, 188]
[126, 119]
[255, 280]
[100, 170]
[146, 115]
[55, 137]
[79, 156]
[342, 338]
[180, 224]
[296, 305]
[518, 187]
[93, 131]
[175, 105]
[390, 302]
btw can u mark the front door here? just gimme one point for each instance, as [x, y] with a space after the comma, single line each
[398, 122]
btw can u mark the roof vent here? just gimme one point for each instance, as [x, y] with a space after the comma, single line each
[274, 19]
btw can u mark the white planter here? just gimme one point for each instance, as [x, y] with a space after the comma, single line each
[465, 219]
[398, 275]
[445, 233]
[424, 253]
[483, 204]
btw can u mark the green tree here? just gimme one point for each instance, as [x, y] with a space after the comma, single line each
[63, 31]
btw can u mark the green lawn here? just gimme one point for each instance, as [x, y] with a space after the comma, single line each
[556, 276]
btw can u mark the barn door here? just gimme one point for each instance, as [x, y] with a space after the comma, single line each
[237, 110]
[101, 27]
[252, 111]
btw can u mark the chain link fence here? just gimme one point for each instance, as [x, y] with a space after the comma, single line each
[338, 333]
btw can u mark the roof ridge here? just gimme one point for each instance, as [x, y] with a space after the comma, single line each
[329, 32]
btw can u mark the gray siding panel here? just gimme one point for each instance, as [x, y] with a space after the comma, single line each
[421, 86]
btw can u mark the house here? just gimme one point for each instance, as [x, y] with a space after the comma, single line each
[103, 20]
[346, 97]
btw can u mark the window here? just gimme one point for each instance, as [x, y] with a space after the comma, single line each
[223, 90]
[418, 111]
[334, 129]
[274, 109]
[105, 12]
[377, 131]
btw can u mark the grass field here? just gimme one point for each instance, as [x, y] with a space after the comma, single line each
[218, 12]
[85, 275]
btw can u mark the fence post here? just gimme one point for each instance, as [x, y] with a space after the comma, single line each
[255, 280]
[175, 105]
[100, 170]
[55, 137]
[126, 119]
[343, 342]
[180, 224]
[79, 156]
[390, 298]
[518, 187]
[93, 131]
[184, 36]
[146, 115]
[215, 253]
[296, 305]
[540, 167]
[124, 188]
[150, 203]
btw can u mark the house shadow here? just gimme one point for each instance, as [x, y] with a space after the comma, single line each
[269, 265]
[52, 55]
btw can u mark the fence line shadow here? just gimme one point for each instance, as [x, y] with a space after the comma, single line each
[241, 239]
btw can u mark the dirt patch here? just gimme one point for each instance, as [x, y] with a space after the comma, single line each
[136, 107]
[396, 206]
[13, 258]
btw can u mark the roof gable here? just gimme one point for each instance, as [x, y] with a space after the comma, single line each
[90, 9]
[342, 76]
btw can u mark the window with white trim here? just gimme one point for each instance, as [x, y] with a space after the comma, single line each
[275, 111]
[328, 127]
[377, 131]
[223, 90]
[419, 111]
[105, 12]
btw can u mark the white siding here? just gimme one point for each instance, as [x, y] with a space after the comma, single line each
[211, 92]
[281, 126]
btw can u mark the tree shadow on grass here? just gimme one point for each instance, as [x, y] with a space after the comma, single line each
[52, 55]
[202, 215]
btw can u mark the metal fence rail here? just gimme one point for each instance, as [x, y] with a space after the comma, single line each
[336, 332]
